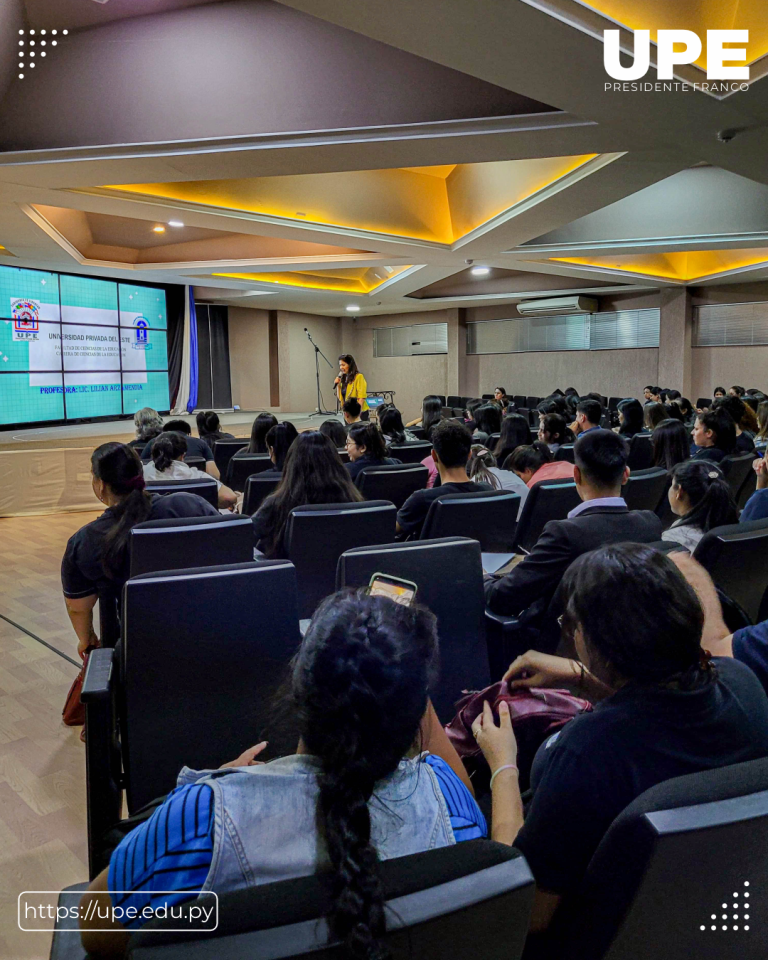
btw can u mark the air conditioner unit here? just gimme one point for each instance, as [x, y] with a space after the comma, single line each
[556, 306]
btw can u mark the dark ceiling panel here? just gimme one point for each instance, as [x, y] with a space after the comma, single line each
[501, 281]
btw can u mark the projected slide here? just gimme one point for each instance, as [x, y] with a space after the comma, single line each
[76, 347]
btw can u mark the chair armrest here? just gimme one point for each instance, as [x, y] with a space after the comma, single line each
[502, 620]
[98, 675]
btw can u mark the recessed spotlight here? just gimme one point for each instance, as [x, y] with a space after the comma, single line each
[43, 32]
[32, 32]
[480, 271]
[159, 229]
[54, 32]
[352, 308]
[175, 223]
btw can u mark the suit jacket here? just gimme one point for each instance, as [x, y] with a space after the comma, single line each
[533, 583]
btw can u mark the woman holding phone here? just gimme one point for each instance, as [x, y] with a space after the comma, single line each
[351, 383]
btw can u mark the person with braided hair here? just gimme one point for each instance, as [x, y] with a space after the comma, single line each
[96, 560]
[374, 777]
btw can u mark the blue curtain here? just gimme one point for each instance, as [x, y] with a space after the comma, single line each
[193, 363]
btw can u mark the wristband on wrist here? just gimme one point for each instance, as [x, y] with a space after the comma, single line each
[505, 766]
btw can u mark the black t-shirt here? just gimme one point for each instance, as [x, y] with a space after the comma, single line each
[82, 573]
[356, 467]
[413, 513]
[585, 775]
[211, 438]
[195, 448]
[744, 443]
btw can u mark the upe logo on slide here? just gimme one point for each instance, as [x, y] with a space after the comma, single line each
[667, 57]
[141, 329]
[26, 319]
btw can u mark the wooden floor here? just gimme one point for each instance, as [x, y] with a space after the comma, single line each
[42, 763]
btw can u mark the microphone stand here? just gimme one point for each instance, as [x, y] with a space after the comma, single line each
[319, 353]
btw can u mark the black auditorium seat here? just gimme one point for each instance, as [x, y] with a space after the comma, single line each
[344, 454]
[198, 462]
[317, 535]
[493, 439]
[240, 468]
[203, 652]
[393, 482]
[547, 500]
[747, 489]
[449, 577]
[657, 884]
[419, 432]
[519, 400]
[703, 402]
[223, 451]
[257, 489]
[735, 556]
[645, 488]
[565, 452]
[176, 543]
[488, 516]
[532, 402]
[453, 402]
[613, 402]
[474, 897]
[207, 488]
[413, 452]
[737, 471]
[640, 452]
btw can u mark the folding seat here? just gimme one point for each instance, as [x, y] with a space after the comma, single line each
[519, 400]
[735, 556]
[547, 500]
[197, 462]
[223, 451]
[240, 468]
[645, 488]
[737, 471]
[703, 402]
[565, 452]
[207, 488]
[393, 482]
[257, 489]
[488, 516]
[178, 543]
[412, 452]
[419, 432]
[640, 452]
[532, 402]
[453, 402]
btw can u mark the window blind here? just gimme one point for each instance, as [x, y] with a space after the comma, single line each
[730, 324]
[420, 339]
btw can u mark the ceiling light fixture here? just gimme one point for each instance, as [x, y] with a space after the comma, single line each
[352, 308]
[159, 229]
[480, 271]
[175, 223]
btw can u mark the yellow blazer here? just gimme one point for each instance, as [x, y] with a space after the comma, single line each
[358, 389]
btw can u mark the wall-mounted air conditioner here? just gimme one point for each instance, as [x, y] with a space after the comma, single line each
[556, 306]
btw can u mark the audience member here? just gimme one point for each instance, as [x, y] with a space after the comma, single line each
[534, 463]
[312, 473]
[686, 408]
[431, 412]
[630, 417]
[673, 412]
[374, 777]
[195, 446]
[738, 412]
[736, 391]
[96, 560]
[553, 430]
[149, 424]
[391, 426]
[352, 411]
[714, 435]
[258, 442]
[451, 445]
[366, 448]
[551, 405]
[279, 439]
[671, 444]
[209, 428]
[648, 393]
[666, 710]
[653, 414]
[488, 420]
[335, 432]
[588, 414]
[500, 394]
[603, 517]
[483, 468]
[514, 433]
[718, 392]
[469, 417]
[168, 452]
[756, 507]
[761, 437]
[701, 499]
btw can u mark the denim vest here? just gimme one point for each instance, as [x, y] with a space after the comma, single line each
[265, 819]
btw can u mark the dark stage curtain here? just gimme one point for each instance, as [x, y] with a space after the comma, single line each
[175, 302]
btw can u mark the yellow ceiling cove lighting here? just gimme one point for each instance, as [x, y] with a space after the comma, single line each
[362, 280]
[695, 15]
[683, 266]
[436, 204]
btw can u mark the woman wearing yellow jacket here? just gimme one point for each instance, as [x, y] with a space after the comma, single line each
[351, 383]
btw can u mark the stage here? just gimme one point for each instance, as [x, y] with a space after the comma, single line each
[46, 470]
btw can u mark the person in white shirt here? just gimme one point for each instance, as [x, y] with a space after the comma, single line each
[168, 452]
[482, 467]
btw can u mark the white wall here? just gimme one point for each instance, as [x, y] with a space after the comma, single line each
[249, 357]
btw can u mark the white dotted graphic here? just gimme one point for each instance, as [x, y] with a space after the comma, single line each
[27, 51]
[736, 916]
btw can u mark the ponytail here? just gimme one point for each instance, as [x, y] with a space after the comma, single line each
[120, 468]
[479, 466]
[712, 503]
[167, 448]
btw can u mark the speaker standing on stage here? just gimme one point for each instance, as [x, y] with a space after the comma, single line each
[351, 383]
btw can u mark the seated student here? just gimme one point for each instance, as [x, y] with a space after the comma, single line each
[258, 442]
[701, 499]
[666, 710]
[451, 445]
[209, 428]
[195, 446]
[761, 437]
[534, 463]
[648, 393]
[483, 468]
[374, 777]
[351, 411]
[391, 426]
[736, 391]
[714, 435]
[630, 417]
[312, 473]
[488, 421]
[431, 412]
[738, 411]
[469, 414]
[335, 432]
[653, 414]
[600, 472]
[686, 408]
[500, 394]
[279, 439]
[514, 433]
[671, 444]
[96, 559]
[366, 448]
[553, 430]
[719, 392]
[756, 507]
[168, 452]
[149, 424]
[588, 414]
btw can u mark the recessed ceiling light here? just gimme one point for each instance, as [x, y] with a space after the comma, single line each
[480, 271]
[175, 223]
[352, 308]
[159, 229]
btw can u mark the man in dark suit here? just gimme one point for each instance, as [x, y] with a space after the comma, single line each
[603, 517]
